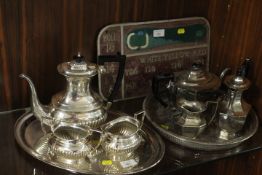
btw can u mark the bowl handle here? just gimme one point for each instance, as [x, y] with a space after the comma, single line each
[103, 136]
[215, 112]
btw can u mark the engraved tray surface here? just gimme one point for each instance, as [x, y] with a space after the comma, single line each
[30, 137]
[160, 117]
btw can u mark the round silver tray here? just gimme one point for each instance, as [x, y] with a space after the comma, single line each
[208, 140]
[31, 138]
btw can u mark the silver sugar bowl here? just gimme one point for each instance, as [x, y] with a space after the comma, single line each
[123, 135]
[70, 143]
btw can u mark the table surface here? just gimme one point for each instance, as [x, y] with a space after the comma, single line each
[15, 161]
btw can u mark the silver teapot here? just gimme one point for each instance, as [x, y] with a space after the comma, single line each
[190, 94]
[233, 109]
[78, 104]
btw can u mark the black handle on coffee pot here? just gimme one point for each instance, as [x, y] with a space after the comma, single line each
[244, 68]
[121, 59]
[156, 81]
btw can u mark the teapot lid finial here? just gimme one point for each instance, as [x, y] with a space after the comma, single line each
[77, 67]
[78, 58]
[78, 62]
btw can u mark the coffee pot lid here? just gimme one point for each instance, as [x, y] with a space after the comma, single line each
[77, 67]
[196, 79]
[237, 82]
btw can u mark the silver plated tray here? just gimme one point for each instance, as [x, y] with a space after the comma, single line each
[30, 137]
[208, 140]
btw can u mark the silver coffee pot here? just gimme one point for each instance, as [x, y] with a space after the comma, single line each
[78, 104]
[233, 109]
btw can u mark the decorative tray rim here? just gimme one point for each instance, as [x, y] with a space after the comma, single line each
[198, 144]
[29, 115]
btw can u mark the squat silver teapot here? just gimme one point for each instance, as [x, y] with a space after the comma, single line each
[190, 95]
[78, 104]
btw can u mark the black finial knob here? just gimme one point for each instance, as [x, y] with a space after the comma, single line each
[196, 65]
[78, 58]
[244, 68]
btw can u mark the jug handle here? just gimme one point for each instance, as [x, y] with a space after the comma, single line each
[121, 59]
[157, 79]
[216, 109]
[142, 114]
[103, 136]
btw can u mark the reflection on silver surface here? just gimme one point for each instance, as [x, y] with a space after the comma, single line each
[162, 119]
[37, 144]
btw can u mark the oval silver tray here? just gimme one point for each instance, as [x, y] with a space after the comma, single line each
[30, 137]
[208, 140]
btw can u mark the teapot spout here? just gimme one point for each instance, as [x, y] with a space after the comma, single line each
[40, 111]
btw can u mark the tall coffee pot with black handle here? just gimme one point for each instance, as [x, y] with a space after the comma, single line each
[233, 109]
